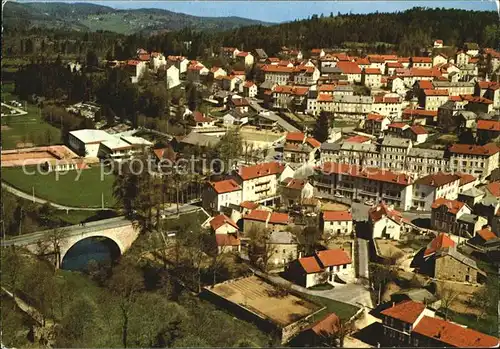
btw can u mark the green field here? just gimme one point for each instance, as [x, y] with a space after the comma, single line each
[65, 188]
[342, 310]
[29, 128]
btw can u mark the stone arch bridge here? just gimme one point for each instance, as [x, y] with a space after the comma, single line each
[58, 242]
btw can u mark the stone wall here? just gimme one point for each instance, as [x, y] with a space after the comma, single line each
[448, 268]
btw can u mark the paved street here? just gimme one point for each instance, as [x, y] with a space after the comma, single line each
[363, 258]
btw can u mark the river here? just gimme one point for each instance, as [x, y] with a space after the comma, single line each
[99, 249]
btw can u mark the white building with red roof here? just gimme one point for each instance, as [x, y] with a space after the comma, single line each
[421, 62]
[320, 268]
[217, 71]
[220, 194]
[136, 68]
[455, 217]
[477, 160]
[371, 77]
[387, 223]
[249, 89]
[375, 124]
[277, 74]
[433, 99]
[389, 104]
[260, 182]
[351, 70]
[180, 62]
[294, 190]
[336, 223]
[363, 183]
[434, 186]
[265, 220]
[229, 52]
[299, 148]
[245, 57]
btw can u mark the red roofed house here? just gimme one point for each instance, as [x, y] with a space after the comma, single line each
[320, 333]
[488, 131]
[222, 224]
[433, 99]
[446, 216]
[300, 149]
[440, 242]
[428, 189]
[421, 62]
[375, 124]
[320, 268]
[202, 121]
[477, 160]
[386, 222]
[336, 222]
[277, 74]
[493, 94]
[293, 191]
[260, 182]
[196, 71]
[363, 183]
[220, 194]
[371, 77]
[229, 52]
[438, 43]
[249, 89]
[351, 70]
[359, 139]
[396, 129]
[180, 62]
[226, 234]
[246, 58]
[439, 59]
[417, 133]
[265, 220]
[411, 324]
[217, 71]
[136, 69]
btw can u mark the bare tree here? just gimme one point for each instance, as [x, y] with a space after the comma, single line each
[448, 297]
[259, 250]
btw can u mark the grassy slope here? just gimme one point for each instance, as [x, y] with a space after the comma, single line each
[30, 125]
[65, 189]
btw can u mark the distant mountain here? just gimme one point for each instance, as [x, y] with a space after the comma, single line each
[91, 17]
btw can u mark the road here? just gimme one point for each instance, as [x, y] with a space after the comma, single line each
[363, 258]
[38, 200]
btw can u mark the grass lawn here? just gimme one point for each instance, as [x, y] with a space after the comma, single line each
[65, 188]
[343, 310]
[345, 123]
[29, 128]
[488, 324]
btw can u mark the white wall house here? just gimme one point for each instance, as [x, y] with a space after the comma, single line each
[337, 223]
[386, 222]
[221, 194]
[173, 79]
[87, 142]
[434, 186]
[123, 148]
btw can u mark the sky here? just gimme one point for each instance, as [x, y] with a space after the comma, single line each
[282, 11]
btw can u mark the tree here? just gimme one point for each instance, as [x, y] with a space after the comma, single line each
[486, 298]
[126, 283]
[380, 275]
[308, 238]
[448, 297]
[230, 149]
[92, 61]
[259, 250]
[321, 127]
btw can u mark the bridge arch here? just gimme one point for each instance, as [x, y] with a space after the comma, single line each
[97, 247]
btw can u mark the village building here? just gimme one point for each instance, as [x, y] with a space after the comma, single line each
[300, 149]
[356, 107]
[220, 194]
[488, 131]
[454, 88]
[476, 160]
[371, 184]
[371, 77]
[229, 52]
[351, 70]
[283, 249]
[433, 99]
[426, 161]
[437, 185]
[386, 222]
[279, 75]
[393, 152]
[455, 217]
[335, 223]
[421, 62]
[180, 63]
[245, 57]
[263, 220]
[389, 104]
[411, 324]
[294, 191]
[285, 97]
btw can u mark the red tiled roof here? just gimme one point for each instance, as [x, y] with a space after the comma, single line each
[258, 215]
[225, 186]
[357, 139]
[349, 68]
[436, 92]
[375, 174]
[372, 71]
[438, 243]
[144, 57]
[324, 97]
[249, 205]
[277, 69]
[327, 326]
[476, 99]
[227, 240]
[385, 99]
[404, 59]
[454, 335]
[329, 258]
[279, 218]
[296, 184]
[334, 216]
[494, 188]
[220, 220]
[295, 136]
[200, 117]
[398, 125]
[310, 265]
[362, 61]
[418, 130]
[326, 88]
[420, 112]
[261, 170]
[425, 84]
[295, 90]
[455, 98]
[376, 213]
[439, 41]
[421, 59]
[486, 234]
[453, 206]
[176, 58]
[488, 125]
[488, 84]
[248, 84]
[133, 62]
[488, 149]
[242, 54]
[438, 179]
[375, 117]
[406, 311]
[394, 65]
[465, 178]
